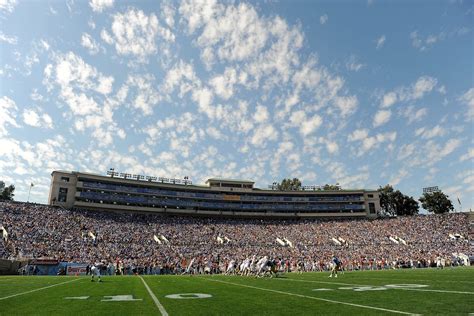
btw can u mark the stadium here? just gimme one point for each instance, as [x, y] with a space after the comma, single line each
[231, 237]
[236, 157]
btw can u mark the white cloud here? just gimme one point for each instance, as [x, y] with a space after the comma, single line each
[414, 116]
[181, 75]
[427, 133]
[310, 125]
[449, 147]
[100, 5]
[406, 151]
[380, 42]
[323, 19]
[423, 44]
[388, 100]
[12, 40]
[224, 84]
[347, 105]
[417, 90]
[262, 134]
[423, 85]
[382, 117]
[358, 134]
[261, 114]
[332, 147]
[370, 142]
[468, 99]
[8, 111]
[135, 33]
[8, 5]
[35, 119]
[88, 42]
[146, 96]
[467, 156]
[353, 65]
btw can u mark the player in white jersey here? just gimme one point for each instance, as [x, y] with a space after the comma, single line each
[262, 266]
[245, 267]
[231, 267]
[95, 271]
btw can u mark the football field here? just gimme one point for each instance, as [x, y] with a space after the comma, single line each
[422, 291]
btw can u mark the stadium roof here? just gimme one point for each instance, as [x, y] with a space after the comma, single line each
[229, 180]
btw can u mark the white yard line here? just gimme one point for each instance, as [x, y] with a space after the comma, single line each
[35, 290]
[314, 298]
[392, 288]
[155, 299]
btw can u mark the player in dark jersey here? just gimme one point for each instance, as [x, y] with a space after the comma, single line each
[336, 266]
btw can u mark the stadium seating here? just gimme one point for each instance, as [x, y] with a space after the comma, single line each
[43, 231]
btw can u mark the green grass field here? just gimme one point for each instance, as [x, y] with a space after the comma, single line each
[424, 291]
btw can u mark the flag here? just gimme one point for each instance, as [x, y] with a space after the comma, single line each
[459, 201]
[32, 184]
[157, 239]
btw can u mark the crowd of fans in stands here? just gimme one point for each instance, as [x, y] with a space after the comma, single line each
[127, 242]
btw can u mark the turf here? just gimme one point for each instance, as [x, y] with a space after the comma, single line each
[446, 292]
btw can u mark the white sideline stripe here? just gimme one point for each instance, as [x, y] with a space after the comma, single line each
[35, 290]
[392, 288]
[155, 299]
[316, 298]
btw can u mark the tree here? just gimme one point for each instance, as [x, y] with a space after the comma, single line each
[396, 203]
[436, 202]
[6, 193]
[289, 185]
[331, 187]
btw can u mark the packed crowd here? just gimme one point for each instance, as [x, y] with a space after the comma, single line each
[168, 244]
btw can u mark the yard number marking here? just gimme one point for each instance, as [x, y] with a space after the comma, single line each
[187, 296]
[120, 298]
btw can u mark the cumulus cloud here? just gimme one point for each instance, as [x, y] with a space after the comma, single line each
[370, 142]
[88, 42]
[12, 40]
[413, 115]
[261, 114]
[382, 117]
[467, 156]
[224, 84]
[416, 91]
[353, 64]
[86, 93]
[8, 111]
[100, 5]
[323, 19]
[135, 33]
[427, 133]
[35, 118]
[380, 42]
[8, 5]
[347, 105]
[468, 99]
[262, 134]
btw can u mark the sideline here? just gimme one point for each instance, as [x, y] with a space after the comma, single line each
[35, 290]
[392, 288]
[313, 298]
[155, 299]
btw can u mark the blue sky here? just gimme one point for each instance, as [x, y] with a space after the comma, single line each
[362, 93]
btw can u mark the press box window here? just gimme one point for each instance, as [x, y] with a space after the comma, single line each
[62, 196]
[370, 196]
[65, 179]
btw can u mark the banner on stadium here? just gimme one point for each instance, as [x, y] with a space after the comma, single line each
[229, 197]
[46, 262]
[76, 270]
